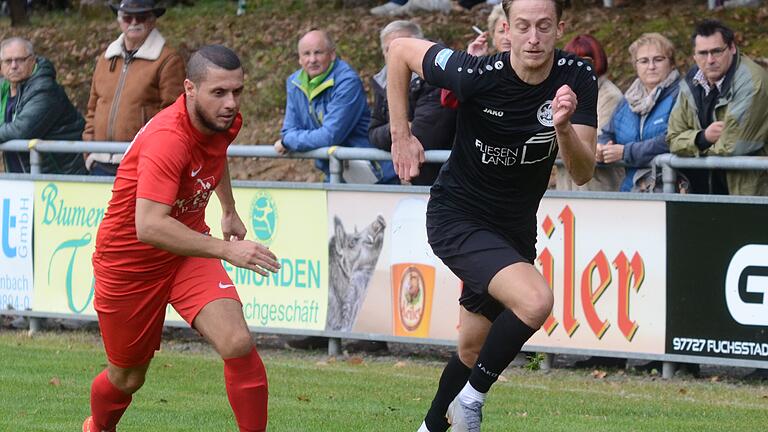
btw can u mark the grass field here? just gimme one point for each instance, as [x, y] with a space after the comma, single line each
[45, 384]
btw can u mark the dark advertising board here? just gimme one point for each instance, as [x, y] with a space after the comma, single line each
[717, 280]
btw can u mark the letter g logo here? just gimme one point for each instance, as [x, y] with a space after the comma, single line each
[746, 285]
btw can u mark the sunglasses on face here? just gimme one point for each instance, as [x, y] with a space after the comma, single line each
[134, 18]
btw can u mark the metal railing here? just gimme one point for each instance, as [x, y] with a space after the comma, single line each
[335, 155]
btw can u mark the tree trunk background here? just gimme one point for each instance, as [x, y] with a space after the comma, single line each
[18, 11]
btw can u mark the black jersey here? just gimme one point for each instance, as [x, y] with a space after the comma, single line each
[505, 143]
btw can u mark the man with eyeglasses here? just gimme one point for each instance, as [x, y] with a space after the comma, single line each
[136, 77]
[34, 105]
[720, 111]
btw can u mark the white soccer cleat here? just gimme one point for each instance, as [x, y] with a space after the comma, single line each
[464, 418]
[423, 427]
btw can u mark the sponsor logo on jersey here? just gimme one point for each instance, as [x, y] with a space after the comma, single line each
[441, 59]
[222, 285]
[264, 217]
[544, 114]
[493, 112]
[196, 171]
[537, 148]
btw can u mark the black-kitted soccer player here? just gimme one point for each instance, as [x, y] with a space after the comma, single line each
[517, 110]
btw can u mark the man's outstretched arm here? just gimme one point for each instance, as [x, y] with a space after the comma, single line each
[405, 57]
[156, 227]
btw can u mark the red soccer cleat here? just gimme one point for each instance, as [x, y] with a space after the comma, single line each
[88, 426]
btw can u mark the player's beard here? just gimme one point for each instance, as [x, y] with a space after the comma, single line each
[210, 123]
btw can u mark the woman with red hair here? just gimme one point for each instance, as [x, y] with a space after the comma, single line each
[608, 98]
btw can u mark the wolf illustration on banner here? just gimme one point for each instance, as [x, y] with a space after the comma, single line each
[351, 259]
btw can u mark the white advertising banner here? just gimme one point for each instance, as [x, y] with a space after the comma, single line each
[604, 259]
[16, 276]
[606, 262]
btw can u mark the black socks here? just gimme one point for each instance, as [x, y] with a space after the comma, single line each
[452, 380]
[504, 341]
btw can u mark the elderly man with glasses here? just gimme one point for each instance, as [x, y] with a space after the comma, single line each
[721, 111]
[136, 77]
[34, 105]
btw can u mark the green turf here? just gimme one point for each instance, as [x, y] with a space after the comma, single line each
[45, 384]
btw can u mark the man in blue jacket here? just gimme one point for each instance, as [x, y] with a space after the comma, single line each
[326, 106]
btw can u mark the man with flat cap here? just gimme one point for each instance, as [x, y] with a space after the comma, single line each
[136, 77]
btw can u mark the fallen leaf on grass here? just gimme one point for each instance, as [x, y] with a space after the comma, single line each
[303, 398]
[682, 391]
[163, 401]
[714, 378]
[401, 364]
[599, 374]
[502, 378]
[523, 414]
[55, 381]
[167, 365]
[356, 360]
[321, 363]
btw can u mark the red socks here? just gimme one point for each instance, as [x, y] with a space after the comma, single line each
[245, 378]
[108, 403]
[246, 381]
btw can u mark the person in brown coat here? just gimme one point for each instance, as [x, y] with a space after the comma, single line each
[136, 77]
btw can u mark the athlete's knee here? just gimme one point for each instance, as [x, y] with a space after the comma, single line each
[468, 355]
[538, 306]
[234, 345]
[127, 380]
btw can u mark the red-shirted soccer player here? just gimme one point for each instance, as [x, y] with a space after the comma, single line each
[153, 247]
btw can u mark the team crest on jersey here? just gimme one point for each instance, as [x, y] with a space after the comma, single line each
[441, 59]
[202, 191]
[544, 114]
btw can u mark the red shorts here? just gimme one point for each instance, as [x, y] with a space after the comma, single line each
[131, 312]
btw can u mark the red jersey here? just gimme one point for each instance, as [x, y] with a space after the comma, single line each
[170, 162]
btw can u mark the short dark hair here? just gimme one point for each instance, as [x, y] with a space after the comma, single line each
[585, 45]
[211, 55]
[709, 27]
[559, 6]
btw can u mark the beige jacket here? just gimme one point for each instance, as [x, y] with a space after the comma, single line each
[124, 96]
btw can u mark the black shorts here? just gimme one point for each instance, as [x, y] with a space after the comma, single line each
[475, 252]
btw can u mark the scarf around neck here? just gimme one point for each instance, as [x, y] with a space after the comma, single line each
[311, 84]
[640, 100]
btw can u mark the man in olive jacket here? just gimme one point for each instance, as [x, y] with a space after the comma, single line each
[721, 111]
[34, 105]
